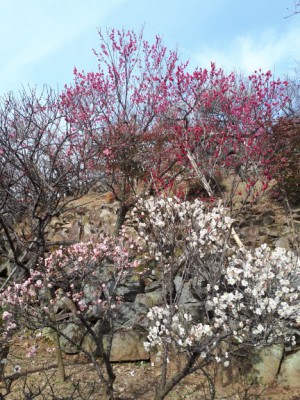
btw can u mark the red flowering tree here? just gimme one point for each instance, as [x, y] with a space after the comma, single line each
[224, 125]
[121, 107]
[152, 120]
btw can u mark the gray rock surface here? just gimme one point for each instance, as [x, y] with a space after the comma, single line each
[266, 364]
[127, 345]
[289, 375]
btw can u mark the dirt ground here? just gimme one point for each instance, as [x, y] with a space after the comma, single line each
[37, 378]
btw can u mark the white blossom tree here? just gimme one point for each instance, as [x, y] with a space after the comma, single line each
[249, 298]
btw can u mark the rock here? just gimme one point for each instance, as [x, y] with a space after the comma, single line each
[269, 213]
[74, 231]
[196, 310]
[71, 338]
[5, 268]
[296, 211]
[80, 211]
[184, 291]
[111, 206]
[87, 231]
[128, 290]
[107, 217]
[150, 299]
[59, 237]
[124, 315]
[91, 294]
[289, 375]
[263, 231]
[132, 232]
[55, 223]
[151, 286]
[268, 217]
[130, 315]
[127, 345]
[266, 364]
[126, 293]
[105, 273]
[283, 242]
[101, 328]
[275, 233]
[297, 224]
[68, 225]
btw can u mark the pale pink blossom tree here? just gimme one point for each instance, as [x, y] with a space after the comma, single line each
[80, 280]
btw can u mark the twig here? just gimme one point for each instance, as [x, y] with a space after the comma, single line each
[210, 192]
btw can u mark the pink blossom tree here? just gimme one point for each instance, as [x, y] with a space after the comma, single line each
[120, 108]
[153, 120]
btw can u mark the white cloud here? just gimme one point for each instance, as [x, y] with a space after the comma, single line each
[268, 51]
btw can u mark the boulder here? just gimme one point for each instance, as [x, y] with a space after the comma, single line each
[183, 290]
[71, 338]
[129, 289]
[108, 220]
[130, 315]
[150, 299]
[151, 285]
[289, 375]
[74, 231]
[266, 364]
[283, 242]
[127, 345]
[124, 315]
[268, 217]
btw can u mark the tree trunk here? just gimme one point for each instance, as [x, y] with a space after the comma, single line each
[123, 210]
[59, 358]
[161, 393]
[4, 350]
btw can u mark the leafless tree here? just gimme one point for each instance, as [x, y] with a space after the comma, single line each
[39, 169]
[295, 9]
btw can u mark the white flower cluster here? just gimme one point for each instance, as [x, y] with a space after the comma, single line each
[169, 325]
[163, 221]
[252, 296]
[259, 291]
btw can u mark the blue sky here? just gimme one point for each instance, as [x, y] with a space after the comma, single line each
[42, 40]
